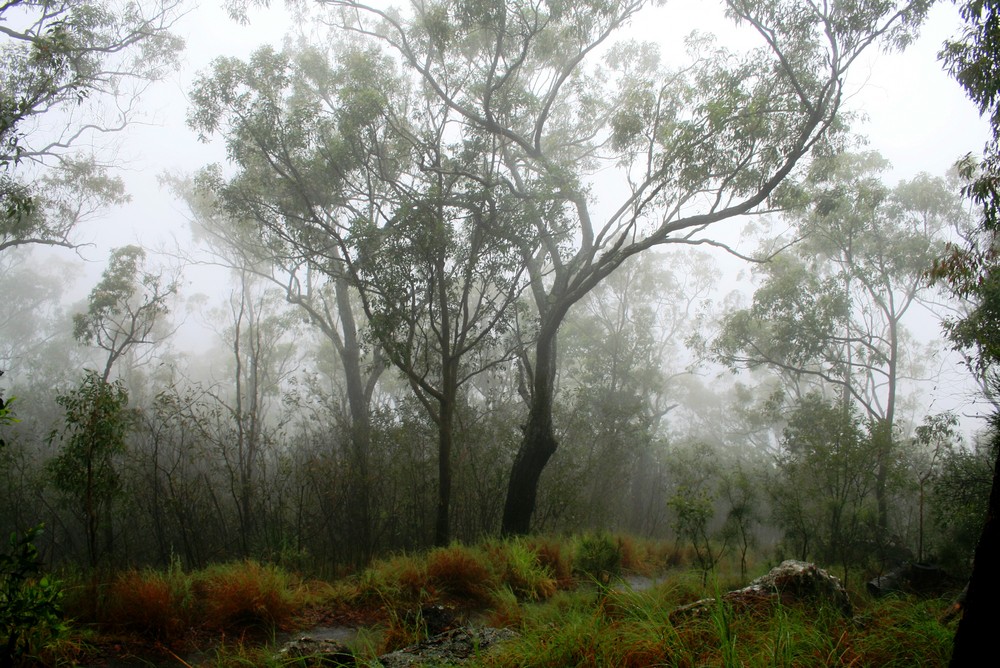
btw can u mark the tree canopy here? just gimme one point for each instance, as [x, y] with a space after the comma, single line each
[70, 71]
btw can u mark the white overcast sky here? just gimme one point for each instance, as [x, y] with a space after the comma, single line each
[917, 116]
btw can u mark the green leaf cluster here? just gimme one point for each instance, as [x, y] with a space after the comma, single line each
[96, 424]
[30, 610]
[59, 59]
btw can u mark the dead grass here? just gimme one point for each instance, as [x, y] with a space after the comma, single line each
[247, 595]
[154, 604]
[461, 573]
[553, 557]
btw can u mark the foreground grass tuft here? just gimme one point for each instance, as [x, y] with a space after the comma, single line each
[152, 603]
[247, 596]
[615, 628]
[461, 574]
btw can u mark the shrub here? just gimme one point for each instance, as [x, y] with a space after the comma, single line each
[30, 613]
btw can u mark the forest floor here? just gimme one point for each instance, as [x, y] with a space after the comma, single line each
[605, 603]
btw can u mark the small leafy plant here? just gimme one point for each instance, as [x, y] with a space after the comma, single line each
[598, 556]
[30, 613]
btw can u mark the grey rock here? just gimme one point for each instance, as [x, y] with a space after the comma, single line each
[309, 651]
[790, 582]
[795, 581]
[451, 647]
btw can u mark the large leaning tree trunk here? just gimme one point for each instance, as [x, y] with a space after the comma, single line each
[539, 442]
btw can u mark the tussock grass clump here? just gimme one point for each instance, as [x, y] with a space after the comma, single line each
[241, 653]
[461, 573]
[620, 628]
[247, 595]
[905, 632]
[575, 641]
[506, 610]
[157, 604]
[554, 557]
[522, 571]
[468, 577]
[400, 578]
[634, 555]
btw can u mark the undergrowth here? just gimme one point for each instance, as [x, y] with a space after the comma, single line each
[565, 598]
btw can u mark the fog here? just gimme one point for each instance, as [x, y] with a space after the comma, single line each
[325, 402]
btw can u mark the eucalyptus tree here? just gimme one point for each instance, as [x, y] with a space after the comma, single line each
[622, 374]
[935, 440]
[86, 471]
[824, 483]
[70, 72]
[438, 283]
[262, 357]
[362, 177]
[832, 311]
[691, 146]
[126, 308]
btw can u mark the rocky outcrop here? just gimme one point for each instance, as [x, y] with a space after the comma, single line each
[788, 583]
[308, 651]
[450, 647]
[454, 646]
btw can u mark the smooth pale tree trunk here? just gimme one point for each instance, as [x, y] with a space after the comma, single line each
[359, 405]
[887, 438]
[975, 640]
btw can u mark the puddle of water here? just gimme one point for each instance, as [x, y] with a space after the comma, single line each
[344, 634]
[642, 583]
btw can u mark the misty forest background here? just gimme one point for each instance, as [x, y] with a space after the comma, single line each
[356, 380]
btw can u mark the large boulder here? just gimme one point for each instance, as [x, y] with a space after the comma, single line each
[789, 583]
[795, 581]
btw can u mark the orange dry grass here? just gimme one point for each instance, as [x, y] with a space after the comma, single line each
[551, 557]
[247, 595]
[412, 579]
[150, 603]
[643, 653]
[460, 572]
[635, 557]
